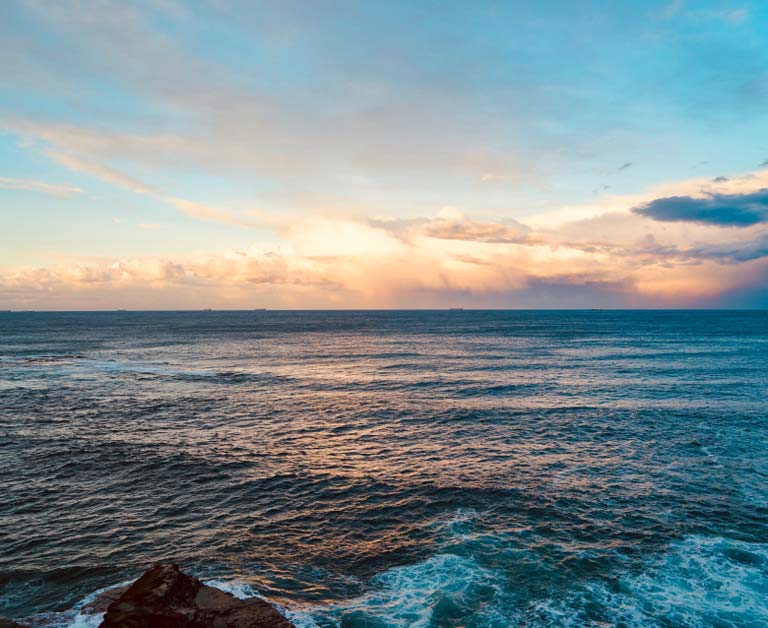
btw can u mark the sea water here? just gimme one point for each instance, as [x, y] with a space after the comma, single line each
[392, 469]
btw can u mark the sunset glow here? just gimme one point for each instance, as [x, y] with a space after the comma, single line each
[344, 155]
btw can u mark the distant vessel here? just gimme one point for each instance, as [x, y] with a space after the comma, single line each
[259, 309]
[207, 310]
[121, 310]
[456, 309]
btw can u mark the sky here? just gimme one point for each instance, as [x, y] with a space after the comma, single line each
[235, 154]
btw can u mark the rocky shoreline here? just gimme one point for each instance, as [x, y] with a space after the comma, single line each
[165, 597]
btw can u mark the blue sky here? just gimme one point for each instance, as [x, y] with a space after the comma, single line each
[237, 144]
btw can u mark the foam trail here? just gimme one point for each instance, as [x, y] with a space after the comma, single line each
[708, 581]
[700, 582]
[75, 617]
[241, 590]
[436, 592]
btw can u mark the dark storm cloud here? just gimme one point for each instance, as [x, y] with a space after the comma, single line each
[724, 210]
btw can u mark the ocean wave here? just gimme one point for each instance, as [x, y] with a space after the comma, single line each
[76, 617]
[238, 588]
[444, 590]
[80, 365]
[707, 581]
[700, 582]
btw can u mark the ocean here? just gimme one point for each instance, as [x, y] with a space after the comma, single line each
[476, 469]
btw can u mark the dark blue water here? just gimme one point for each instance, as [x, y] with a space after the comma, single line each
[455, 468]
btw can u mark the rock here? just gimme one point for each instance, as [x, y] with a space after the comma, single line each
[164, 597]
[5, 622]
[100, 603]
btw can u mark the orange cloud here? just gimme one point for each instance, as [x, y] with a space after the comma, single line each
[327, 262]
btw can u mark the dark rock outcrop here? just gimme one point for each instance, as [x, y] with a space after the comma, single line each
[5, 622]
[164, 597]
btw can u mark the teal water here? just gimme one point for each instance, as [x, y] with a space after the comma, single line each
[376, 469]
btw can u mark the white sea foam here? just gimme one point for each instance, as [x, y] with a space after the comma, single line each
[705, 581]
[300, 619]
[700, 582]
[72, 618]
[86, 620]
[434, 592]
[243, 590]
[75, 617]
[460, 525]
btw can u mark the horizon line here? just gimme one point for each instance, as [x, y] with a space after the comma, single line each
[405, 309]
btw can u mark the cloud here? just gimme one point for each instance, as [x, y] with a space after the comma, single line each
[355, 123]
[734, 252]
[209, 213]
[342, 262]
[100, 171]
[733, 16]
[671, 9]
[110, 175]
[677, 8]
[163, 281]
[489, 177]
[450, 224]
[664, 252]
[615, 257]
[698, 187]
[57, 190]
[723, 210]
[474, 231]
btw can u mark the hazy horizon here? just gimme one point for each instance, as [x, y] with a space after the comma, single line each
[396, 309]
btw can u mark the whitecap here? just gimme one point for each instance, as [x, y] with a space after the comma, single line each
[699, 582]
[434, 592]
[238, 588]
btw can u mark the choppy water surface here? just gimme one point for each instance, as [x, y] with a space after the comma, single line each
[476, 469]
